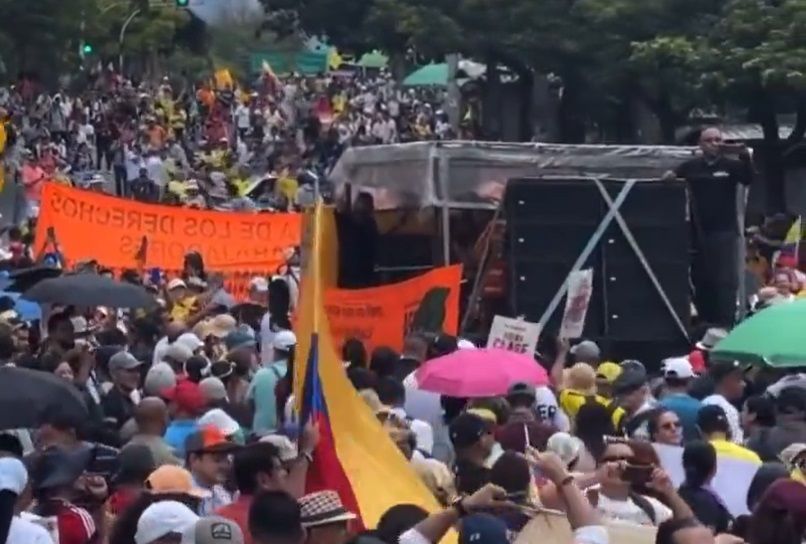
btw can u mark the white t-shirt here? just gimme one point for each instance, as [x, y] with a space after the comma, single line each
[266, 340]
[630, 512]
[736, 432]
[23, 531]
[548, 409]
[242, 116]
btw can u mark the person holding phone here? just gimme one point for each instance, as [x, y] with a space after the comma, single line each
[712, 180]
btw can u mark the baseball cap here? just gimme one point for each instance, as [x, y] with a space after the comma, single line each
[163, 518]
[284, 340]
[721, 369]
[213, 530]
[586, 351]
[481, 528]
[213, 389]
[208, 439]
[566, 446]
[239, 338]
[176, 283]
[288, 451]
[712, 417]
[123, 360]
[190, 341]
[677, 367]
[608, 371]
[221, 420]
[521, 389]
[628, 381]
[467, 429]
[159, 378]
[186, 395]
[135, 463]
[178, 352]
[13, 475]
[171, 479]
[259, 283]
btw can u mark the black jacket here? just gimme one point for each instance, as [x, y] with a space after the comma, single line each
[707, 507]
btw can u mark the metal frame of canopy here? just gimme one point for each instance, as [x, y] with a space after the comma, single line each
[473, 175]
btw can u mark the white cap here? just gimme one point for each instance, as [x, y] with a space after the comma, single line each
[464, 343]
[284, 340]
[213, 389]
[287, 449]
[13, 476]
[80, 324]
[159, 378]
[163, 518]
[259, 283]
[566, 447]
[221, 420]
[178, 352]
[190, 341]
[175, 283]
[677, 367]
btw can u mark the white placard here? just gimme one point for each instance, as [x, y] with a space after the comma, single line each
[580, 288]
[513, 335]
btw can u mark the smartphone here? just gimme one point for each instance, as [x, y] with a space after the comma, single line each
[637, 474]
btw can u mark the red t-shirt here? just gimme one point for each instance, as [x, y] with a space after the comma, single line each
[238, 512]
[75, 524]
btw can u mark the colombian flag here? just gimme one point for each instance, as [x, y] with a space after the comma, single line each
[355, 456]
[788, 255]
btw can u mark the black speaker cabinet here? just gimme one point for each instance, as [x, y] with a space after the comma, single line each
[549, 223]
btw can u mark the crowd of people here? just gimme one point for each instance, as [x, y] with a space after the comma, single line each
[220, 144]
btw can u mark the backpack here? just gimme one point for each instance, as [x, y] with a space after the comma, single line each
[645, 506]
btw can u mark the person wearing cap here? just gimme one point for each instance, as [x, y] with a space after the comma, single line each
[728, 378]
[631, 391]
[794, 457]
[160, 377]
[207, 456]
[392, 394]
[588, 352]
[118, 404]
[325, 518]
[164, 522]
[789, 428]
[525, 426]
[135, 463]
[214, 530]
[14, 480]
[181, 302]
[579, 388]
[222, 421]
[473, 440]
[151, 417]
[186, 404]
[259, 291]
[715, 427]
[261, 393]
[176, 355]
[677, 376]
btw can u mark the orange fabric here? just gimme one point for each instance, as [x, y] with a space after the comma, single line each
[381, 316]
[93, 226]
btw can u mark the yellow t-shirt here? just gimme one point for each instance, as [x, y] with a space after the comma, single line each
[182, 309]
[288, 187]
[734, 451]
[571, 400]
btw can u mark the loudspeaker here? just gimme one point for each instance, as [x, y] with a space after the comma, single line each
[550, 221]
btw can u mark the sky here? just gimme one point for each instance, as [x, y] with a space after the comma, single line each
[225, 11]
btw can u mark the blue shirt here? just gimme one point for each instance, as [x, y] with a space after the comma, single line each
[261, 391]
[177, 432]
[686, 408]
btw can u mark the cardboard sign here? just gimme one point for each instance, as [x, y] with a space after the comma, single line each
[553, 528]
[382, 316]
[109, 229]
[580, 288]
[513, 335]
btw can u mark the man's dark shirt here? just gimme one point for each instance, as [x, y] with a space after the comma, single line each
[712, 191]
[145, 190]
[118, 408]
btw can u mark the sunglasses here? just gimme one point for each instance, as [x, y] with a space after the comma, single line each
[672, 425]
[618, 459]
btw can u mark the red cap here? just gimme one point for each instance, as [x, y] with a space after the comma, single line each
[187, 396]
[208, 439]
[697, 361]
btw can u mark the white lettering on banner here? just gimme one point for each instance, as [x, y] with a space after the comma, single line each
[732, 480]
[580, 288]
[513, 335]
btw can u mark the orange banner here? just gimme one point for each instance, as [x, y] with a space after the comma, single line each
[89, 225]
[382, 316]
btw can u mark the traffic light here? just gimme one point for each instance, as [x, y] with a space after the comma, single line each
[182, 3]
[86, 49]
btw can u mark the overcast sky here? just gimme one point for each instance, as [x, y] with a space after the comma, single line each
[226, 11]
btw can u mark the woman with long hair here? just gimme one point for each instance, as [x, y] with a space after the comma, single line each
[276, 319]
[699, 465]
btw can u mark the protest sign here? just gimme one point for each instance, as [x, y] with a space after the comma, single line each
[513, 335]
[553, 528]
[580, 288]
[89, 225]
[382, 316]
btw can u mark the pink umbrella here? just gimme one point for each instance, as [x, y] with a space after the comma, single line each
[479, 373]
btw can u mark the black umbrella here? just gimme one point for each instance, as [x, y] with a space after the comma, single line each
[27, 395]
[89, 290]
[25, 278]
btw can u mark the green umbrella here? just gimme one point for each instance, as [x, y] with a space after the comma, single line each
[375, 59]
[775, 336]
[428, 75]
